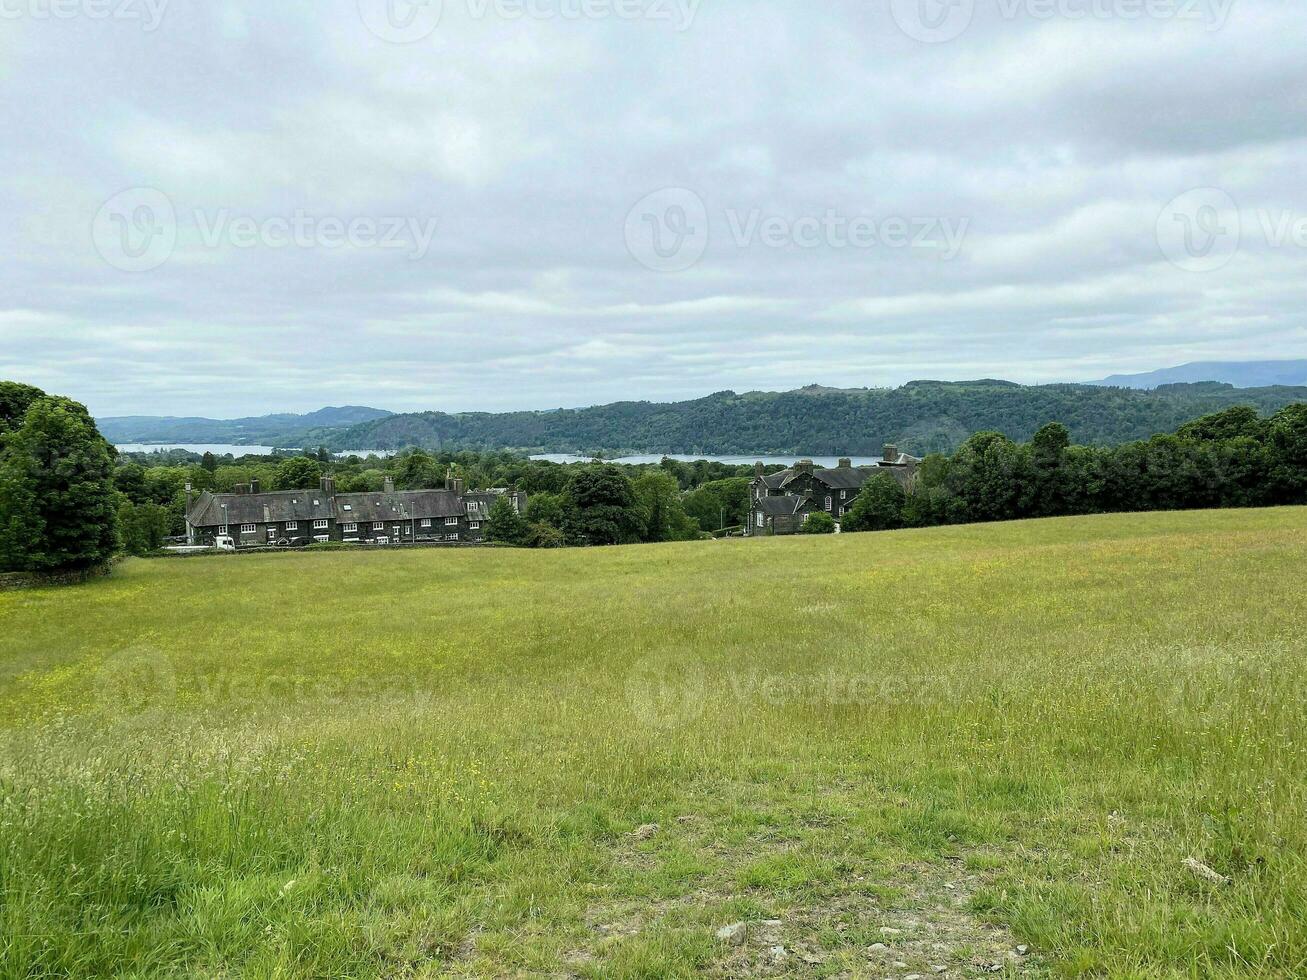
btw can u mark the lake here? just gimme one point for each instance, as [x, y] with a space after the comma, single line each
[219, 449]
[828, 462]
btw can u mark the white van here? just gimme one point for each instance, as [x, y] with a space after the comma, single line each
[224, 543]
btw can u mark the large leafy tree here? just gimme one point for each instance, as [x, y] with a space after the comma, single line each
[299, 473]
[15, 400]
[505, 525]
[58, 505]
[877, 507]
[658, 505]
[602, 507]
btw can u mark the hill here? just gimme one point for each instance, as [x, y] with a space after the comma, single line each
[280, 430]
[954, 743]
[1241, 374]
[921, 417]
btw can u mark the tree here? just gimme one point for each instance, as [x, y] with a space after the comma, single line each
[545, 508]
[58, 506]
[601, 507]
[877, 507]
[505, 525]
[544, 536]
[15, 400]
[818, 522]
[418, 471]
[209, 461]
[658, 505]
[143, 526]
[298, 473]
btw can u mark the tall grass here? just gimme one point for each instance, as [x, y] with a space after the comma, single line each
[429, 763]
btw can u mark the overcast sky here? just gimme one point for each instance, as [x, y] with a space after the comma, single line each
[230, 208]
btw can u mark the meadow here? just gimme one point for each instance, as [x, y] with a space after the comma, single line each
[989, 749]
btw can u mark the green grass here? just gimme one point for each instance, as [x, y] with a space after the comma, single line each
[429, 763]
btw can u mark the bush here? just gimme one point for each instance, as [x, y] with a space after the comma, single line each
[818, 522]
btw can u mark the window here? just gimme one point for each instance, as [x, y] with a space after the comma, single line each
[829, 503]
[321, 525]
[351, 528]
[844, 495]
[292, 525]
[475, 525]
[378, 526]
[249, 528]
[426, 523]
[397, 530]
[453, 537]
[222, 529]
[758, 519]
[451, 522]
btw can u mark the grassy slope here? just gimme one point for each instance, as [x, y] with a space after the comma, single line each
[430, 762]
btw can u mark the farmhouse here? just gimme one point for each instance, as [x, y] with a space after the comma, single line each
[284, 517]
[779, 503]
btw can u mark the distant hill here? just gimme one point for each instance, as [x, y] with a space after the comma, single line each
[1241, 374]
[924, 416]
[280, 430]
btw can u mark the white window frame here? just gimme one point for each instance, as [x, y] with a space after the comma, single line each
[321, 525]
[222, 528]
[759, 519]
[426, 522]
[378, 525]
[474, 525]
[830, 504]
[350, 529]
[249, 529]
[451, 522]
[396, 531]
[292, 525]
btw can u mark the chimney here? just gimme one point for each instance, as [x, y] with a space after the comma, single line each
[328, 486]
[846, 463]
[388, 485]
[254, 486]
[241, 488]
[758, 468]
[891, 453]
[803, 466]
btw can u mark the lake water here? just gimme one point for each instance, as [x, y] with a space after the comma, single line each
[218, 449]
[828, 462]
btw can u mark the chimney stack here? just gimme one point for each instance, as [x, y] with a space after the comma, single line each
[328, 486]
[891, 453]
[846, 463]
[758, 469]
[388, 485]
[254, 486]
[803, 466]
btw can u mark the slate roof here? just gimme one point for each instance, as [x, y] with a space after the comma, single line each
[361, 508]
[260, 508]
[778, 506]
[845, 478]
[347, 508]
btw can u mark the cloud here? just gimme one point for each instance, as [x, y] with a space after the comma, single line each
[528, 141]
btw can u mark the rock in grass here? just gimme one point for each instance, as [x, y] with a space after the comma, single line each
[645, 832]
[1204, 872]
[734, 934]
[890, 931]
[778, 954]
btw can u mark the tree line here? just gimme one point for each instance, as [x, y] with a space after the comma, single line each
[1231, 458]
[920, 417]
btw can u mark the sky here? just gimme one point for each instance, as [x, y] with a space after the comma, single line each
[231, 208]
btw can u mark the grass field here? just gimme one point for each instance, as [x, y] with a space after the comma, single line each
[950, 742]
